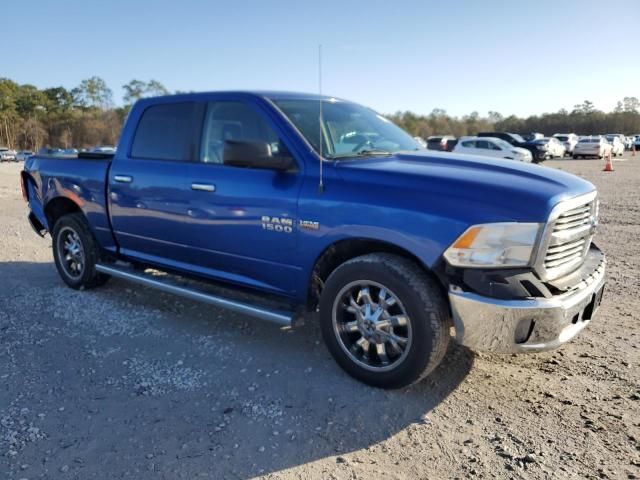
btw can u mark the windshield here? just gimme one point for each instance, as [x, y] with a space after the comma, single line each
[502, 144]
[517, 138]
[349, 130]
[562, 138]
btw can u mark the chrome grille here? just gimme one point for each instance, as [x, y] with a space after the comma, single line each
[568, 237]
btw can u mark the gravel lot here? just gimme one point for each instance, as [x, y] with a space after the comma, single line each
[125, 382]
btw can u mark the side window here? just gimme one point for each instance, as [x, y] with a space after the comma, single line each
[233, 121]
[168, 132]
[469, 144]
[482, 144]
[493, 146]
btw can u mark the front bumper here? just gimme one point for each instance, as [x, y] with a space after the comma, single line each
[527, 325]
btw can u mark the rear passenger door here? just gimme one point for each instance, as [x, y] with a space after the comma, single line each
[486, 148]
[149, 188]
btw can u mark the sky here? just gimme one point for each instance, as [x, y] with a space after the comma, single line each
[514, 57]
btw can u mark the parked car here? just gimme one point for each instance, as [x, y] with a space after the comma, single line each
[569, 141]
[391, 245]
[492, 147]
[421, 141]
[443, 143]
[70, 151]
[595, 146]
[50, 151]
[533, 136]
[22, 155]
[628, 142]
[617, 147]
[636, 143]
[7, 155]
[538, 152]
[103, 149]
[553, 147]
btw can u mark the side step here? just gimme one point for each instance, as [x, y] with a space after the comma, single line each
[280, 317]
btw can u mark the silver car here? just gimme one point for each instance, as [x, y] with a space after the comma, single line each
[7, 155]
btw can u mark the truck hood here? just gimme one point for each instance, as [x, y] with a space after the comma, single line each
[476, 189]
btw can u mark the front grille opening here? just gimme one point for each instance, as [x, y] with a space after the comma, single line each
[524, 330]
[531, 288]
[588, 311]
[569, 240]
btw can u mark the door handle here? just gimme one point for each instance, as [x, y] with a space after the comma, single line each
[123, 178]
[203, 187]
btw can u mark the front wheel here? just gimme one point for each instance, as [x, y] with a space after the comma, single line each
[76, 252]
[384, 320]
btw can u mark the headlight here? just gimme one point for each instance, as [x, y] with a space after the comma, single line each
[494, 245]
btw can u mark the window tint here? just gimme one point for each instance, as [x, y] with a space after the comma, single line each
[493, 146]
[168, 132]
[482, 144]
[469, 144]
[236, 121]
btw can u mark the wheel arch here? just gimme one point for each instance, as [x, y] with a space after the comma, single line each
[57, 207]
[343, 250]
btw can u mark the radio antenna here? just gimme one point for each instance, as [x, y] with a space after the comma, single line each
[321, 184]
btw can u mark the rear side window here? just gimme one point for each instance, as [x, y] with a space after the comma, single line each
[469, 144]
[168, 132]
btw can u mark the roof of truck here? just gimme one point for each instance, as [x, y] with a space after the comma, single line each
[271, 94]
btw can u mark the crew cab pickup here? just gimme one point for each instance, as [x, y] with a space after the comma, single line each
[315, 207]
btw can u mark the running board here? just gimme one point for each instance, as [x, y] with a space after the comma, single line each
[277, 316]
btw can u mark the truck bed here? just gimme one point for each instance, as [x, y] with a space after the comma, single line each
[80, 179]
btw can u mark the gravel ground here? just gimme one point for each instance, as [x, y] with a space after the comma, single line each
[125, 382]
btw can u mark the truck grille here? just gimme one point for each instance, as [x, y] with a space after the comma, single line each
[569, 238]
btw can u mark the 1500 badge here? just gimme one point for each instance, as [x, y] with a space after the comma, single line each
[285, 225]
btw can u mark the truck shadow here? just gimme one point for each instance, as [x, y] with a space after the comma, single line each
[273, 399]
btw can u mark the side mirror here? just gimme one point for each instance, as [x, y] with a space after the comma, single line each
[255, 155]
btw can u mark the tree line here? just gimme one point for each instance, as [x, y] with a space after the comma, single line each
[86, 116]
[583, 119]
[81, 117]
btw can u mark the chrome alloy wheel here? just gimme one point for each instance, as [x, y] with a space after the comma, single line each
[371, 325]
[71, 252]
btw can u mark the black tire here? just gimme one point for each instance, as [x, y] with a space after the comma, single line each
[575, 157]
[419, 296]
[85, 277]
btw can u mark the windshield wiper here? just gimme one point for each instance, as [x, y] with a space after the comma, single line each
[363, 153]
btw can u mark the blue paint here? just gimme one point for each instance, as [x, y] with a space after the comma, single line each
[419, 201]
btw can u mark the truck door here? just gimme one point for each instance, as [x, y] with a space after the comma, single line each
[149, 189]
[243, 221]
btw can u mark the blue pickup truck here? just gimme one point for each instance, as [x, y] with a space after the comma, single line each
[302, 205]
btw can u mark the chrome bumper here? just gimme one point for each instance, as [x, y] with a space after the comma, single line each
[528, 325]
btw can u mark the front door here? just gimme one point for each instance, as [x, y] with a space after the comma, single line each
[243, 220]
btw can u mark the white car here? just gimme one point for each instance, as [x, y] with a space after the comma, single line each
[554, 147]
[569, 141]
[7, 155]
[617, 146]
[421, 141]
[591, 147]
[491, 147]
[22, 155]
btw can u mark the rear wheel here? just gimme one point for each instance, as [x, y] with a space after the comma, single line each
[384, 320]
[76, 252]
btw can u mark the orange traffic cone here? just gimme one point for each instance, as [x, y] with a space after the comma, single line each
[608, 166]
